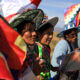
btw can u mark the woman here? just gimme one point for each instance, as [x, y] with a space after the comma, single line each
[24, 24]
[64, 46]
[45, 35]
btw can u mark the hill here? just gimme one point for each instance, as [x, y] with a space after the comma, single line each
[58, 29]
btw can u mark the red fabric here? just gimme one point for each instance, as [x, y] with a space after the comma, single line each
[4, 71]
[7, 39]
[69, 10]
[8, 18]
[77, 19]
[36, 2]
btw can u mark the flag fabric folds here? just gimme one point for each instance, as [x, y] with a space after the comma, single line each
[72, 14]
[17, 6]
[12, 45]
[4, 69]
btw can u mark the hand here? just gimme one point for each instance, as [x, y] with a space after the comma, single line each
[76, 56]
[42, 63]
[38, 67]
[77, 49]
[38, 77]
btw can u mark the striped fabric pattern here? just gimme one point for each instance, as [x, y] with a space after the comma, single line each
[72, 14]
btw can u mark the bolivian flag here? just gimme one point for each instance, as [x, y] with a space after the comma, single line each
[12, 45]
[4, 69]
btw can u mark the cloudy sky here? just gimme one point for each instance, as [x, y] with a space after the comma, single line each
[56, 8]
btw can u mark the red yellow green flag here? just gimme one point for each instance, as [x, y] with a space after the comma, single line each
[12, 45]
[4, 69]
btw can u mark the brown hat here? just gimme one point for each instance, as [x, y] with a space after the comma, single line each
[53, 21]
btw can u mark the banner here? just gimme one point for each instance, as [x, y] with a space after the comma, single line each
[17, 6]
[4, 69]
[12, 45]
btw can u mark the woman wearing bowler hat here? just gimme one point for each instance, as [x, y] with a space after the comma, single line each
[45, 35]
[64, 46]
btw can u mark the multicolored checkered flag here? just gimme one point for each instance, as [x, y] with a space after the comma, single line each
[72, 14]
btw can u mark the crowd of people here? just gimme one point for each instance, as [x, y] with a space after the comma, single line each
[37, 32]
[37, 37]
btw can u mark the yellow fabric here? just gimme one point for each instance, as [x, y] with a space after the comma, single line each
[20, 43]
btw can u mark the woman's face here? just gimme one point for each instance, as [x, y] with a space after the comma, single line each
[72, 36]
[29, 35]
[46, 36]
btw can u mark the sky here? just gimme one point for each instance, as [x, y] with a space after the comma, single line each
[56, 8]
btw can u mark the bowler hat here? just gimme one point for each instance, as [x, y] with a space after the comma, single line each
[35, 15]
